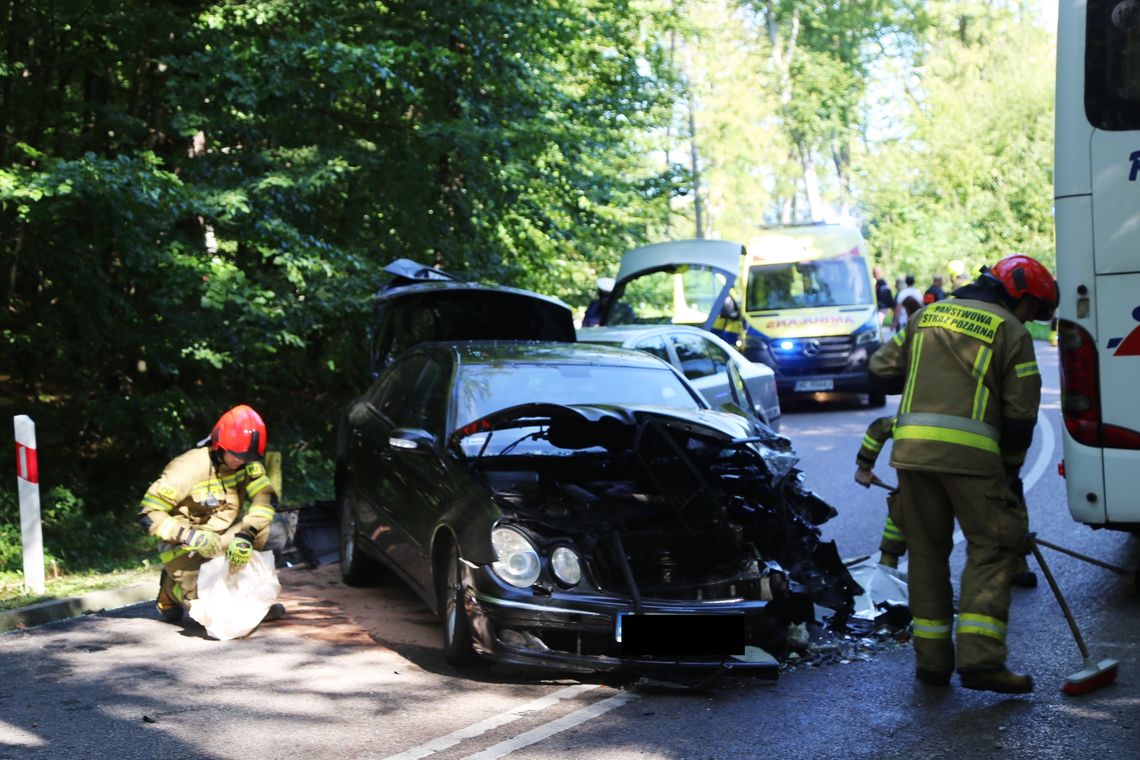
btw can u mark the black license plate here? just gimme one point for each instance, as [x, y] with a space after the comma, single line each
[684, 635]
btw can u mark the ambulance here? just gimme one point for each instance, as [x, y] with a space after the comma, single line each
[809, 308]
[1097, 215]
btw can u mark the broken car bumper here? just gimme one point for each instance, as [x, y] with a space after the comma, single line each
[597, 632]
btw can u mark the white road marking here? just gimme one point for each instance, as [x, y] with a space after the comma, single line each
[536, 735]
[1040, 464]
[483, 726]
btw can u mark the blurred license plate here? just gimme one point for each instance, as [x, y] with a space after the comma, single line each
[814, 385]
[680, 634]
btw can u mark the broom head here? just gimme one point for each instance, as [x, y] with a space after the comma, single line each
[1092, 676]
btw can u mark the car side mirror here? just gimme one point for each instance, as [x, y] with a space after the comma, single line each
[411, 440]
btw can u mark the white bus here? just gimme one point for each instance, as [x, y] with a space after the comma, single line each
[1097, 206]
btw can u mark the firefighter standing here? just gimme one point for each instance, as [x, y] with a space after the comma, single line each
[212, 500]
[893, 543]
[970, 394]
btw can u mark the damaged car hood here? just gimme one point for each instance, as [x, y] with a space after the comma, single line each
[696, 500]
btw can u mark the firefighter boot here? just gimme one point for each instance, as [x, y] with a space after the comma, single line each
[889, 560]
[1002, 681]
[1023, 577]
[932, 677]
[166, 604]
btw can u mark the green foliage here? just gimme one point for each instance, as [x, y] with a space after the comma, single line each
[971, 178]
[74, 539]
[196, 200]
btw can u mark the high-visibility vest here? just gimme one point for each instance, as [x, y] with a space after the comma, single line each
[967, 365]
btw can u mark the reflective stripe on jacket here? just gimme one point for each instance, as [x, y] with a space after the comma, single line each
[878, 433]
[968, 365]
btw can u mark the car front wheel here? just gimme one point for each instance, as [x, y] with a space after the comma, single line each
[457, 648]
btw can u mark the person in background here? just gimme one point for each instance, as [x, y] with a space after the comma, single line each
[971, 392]
[910, 291]
[884, 298]
[893, 543]
[210, 501]
[597, 307]
[934, 292]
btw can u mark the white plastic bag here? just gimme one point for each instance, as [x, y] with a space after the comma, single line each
[231, 604]
[880, 584]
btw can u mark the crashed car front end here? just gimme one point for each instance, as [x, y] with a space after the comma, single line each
[644, 538]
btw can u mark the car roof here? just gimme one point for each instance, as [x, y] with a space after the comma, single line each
[625, 334]
[476, 352]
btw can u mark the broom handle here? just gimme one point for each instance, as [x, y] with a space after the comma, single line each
[1060, 599]
[1078, 555]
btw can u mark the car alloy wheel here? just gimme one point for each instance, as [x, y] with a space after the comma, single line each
[457, 648]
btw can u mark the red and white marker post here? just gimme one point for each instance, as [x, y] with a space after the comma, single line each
[28, 481]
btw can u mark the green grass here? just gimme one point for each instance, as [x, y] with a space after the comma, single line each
[73, 584]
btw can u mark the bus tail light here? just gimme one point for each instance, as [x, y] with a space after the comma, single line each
[1080, 393]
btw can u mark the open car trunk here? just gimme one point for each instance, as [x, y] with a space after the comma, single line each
[420, 305]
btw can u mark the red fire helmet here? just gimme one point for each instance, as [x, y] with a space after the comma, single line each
[241, 432]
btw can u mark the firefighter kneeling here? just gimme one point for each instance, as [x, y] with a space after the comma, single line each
[970, 389]
[212, 500]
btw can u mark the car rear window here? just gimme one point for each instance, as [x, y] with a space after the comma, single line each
[487, 388]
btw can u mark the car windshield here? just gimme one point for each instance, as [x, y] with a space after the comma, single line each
[839, 281]
[487, 388]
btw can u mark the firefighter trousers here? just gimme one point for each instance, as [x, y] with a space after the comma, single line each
[179, 581]
[994, 522]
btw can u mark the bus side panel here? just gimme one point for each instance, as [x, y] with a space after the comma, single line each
[1116, 201]
[1084, 466]
[1118, 315]
[1070, 166]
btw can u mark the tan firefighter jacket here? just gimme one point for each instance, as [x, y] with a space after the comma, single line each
[968, 372]
[193, 493]
[877, 435]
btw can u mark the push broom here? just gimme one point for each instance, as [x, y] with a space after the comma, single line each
[1094, 674]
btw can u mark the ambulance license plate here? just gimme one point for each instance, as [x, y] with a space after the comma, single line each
[814, 385]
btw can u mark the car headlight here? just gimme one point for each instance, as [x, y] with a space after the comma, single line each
[517, 561]
[869, 335]
[566, 565]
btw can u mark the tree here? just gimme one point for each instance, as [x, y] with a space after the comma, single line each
[970, 177]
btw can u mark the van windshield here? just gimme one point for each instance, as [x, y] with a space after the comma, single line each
[839, 281]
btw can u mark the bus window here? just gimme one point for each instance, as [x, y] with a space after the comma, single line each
[1112, 65]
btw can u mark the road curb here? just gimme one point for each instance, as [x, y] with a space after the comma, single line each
[72, 606]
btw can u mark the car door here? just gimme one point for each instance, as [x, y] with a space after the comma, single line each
[385, 480]
[705, 364]
[421, 484]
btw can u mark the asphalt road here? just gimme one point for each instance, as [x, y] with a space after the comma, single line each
[357, 673]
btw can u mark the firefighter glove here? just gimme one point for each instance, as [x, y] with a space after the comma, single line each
[205, 542]
[240, 550]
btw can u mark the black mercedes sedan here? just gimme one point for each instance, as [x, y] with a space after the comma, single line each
[574, 506]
